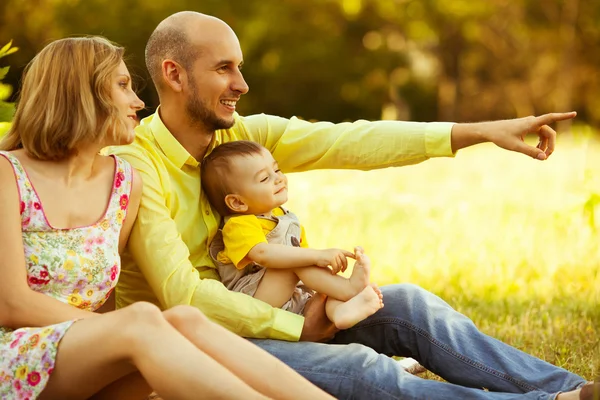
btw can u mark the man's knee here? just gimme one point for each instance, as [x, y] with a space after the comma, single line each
[405, 292]
[412, 300]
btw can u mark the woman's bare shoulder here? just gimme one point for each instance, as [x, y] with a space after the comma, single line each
[7, 173]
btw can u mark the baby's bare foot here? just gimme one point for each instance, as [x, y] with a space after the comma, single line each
[378, 291]
[364, 304]
[361, 273]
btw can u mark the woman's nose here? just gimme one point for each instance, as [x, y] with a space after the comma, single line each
[138, 104]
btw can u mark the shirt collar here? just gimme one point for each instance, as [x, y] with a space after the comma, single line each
[174, 151]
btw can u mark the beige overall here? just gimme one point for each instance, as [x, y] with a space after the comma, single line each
[287, 232]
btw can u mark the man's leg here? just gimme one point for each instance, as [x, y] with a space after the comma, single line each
[416, 323]
[355, 371]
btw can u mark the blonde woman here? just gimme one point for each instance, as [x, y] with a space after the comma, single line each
[65, 214]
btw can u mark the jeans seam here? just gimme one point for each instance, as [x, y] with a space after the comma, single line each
[523, 385]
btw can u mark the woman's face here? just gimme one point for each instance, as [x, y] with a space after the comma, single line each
[125, 100]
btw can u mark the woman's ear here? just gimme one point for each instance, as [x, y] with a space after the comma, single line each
[173, 74]
[235, 203]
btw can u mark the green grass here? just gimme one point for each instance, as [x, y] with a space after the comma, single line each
[506, 240]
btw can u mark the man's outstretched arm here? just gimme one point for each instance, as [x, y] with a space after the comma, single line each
[301, 145]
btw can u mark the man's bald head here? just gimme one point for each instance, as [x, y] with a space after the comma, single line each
[179, 38]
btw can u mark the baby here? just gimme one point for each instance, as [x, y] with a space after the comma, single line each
[261, 249]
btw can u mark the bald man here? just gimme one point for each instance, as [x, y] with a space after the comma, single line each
[195, 62]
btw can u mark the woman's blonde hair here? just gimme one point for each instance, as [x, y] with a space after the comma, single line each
[65, 101]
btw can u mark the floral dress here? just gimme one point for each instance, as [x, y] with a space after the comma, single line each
[79, 266]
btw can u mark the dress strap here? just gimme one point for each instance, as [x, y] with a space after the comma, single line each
[122, 186]
[20, 174]
[32, 217]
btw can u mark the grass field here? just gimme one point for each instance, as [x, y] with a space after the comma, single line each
[505, 239]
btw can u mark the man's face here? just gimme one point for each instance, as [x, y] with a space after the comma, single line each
[215, 81]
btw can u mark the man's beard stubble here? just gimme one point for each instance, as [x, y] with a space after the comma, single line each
[202, 115]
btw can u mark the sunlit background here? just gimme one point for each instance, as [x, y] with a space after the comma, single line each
[510, 241]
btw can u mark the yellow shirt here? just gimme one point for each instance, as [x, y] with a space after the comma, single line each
[242, 232]
[167, 261]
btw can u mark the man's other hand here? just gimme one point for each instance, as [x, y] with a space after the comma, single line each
[317, 327]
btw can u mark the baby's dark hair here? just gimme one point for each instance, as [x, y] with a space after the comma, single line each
[216, 167]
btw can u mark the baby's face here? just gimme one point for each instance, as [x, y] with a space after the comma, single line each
[259, 182]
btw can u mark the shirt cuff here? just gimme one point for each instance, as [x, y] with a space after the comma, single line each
[438, 139]
[287, 326]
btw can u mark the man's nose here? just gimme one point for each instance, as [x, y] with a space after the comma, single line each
[239, 84]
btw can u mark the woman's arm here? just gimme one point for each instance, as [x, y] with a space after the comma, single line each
[132, 209]
[19, 305]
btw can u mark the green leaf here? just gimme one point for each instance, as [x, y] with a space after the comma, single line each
[3, 72]
[5, 91]
[11, 50]
[5, 48]
[7, 111]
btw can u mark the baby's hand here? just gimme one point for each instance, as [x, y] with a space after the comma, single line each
[335, 258]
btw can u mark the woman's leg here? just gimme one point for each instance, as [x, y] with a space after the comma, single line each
[256, 367]
[97, 352]
[130, 387]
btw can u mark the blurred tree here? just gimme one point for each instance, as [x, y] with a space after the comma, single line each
[348, 59]
[6, 109]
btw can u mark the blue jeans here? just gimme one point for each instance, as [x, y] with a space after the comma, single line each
[416, 323]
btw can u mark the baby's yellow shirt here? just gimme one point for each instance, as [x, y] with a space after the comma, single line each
[242, 232]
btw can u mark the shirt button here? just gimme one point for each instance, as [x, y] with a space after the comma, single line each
[207, 212]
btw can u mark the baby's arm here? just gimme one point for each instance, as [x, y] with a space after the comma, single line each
[282, 256]
[245, 242]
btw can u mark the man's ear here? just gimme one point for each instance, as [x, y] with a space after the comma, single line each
[173, 74]
[235, 203]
